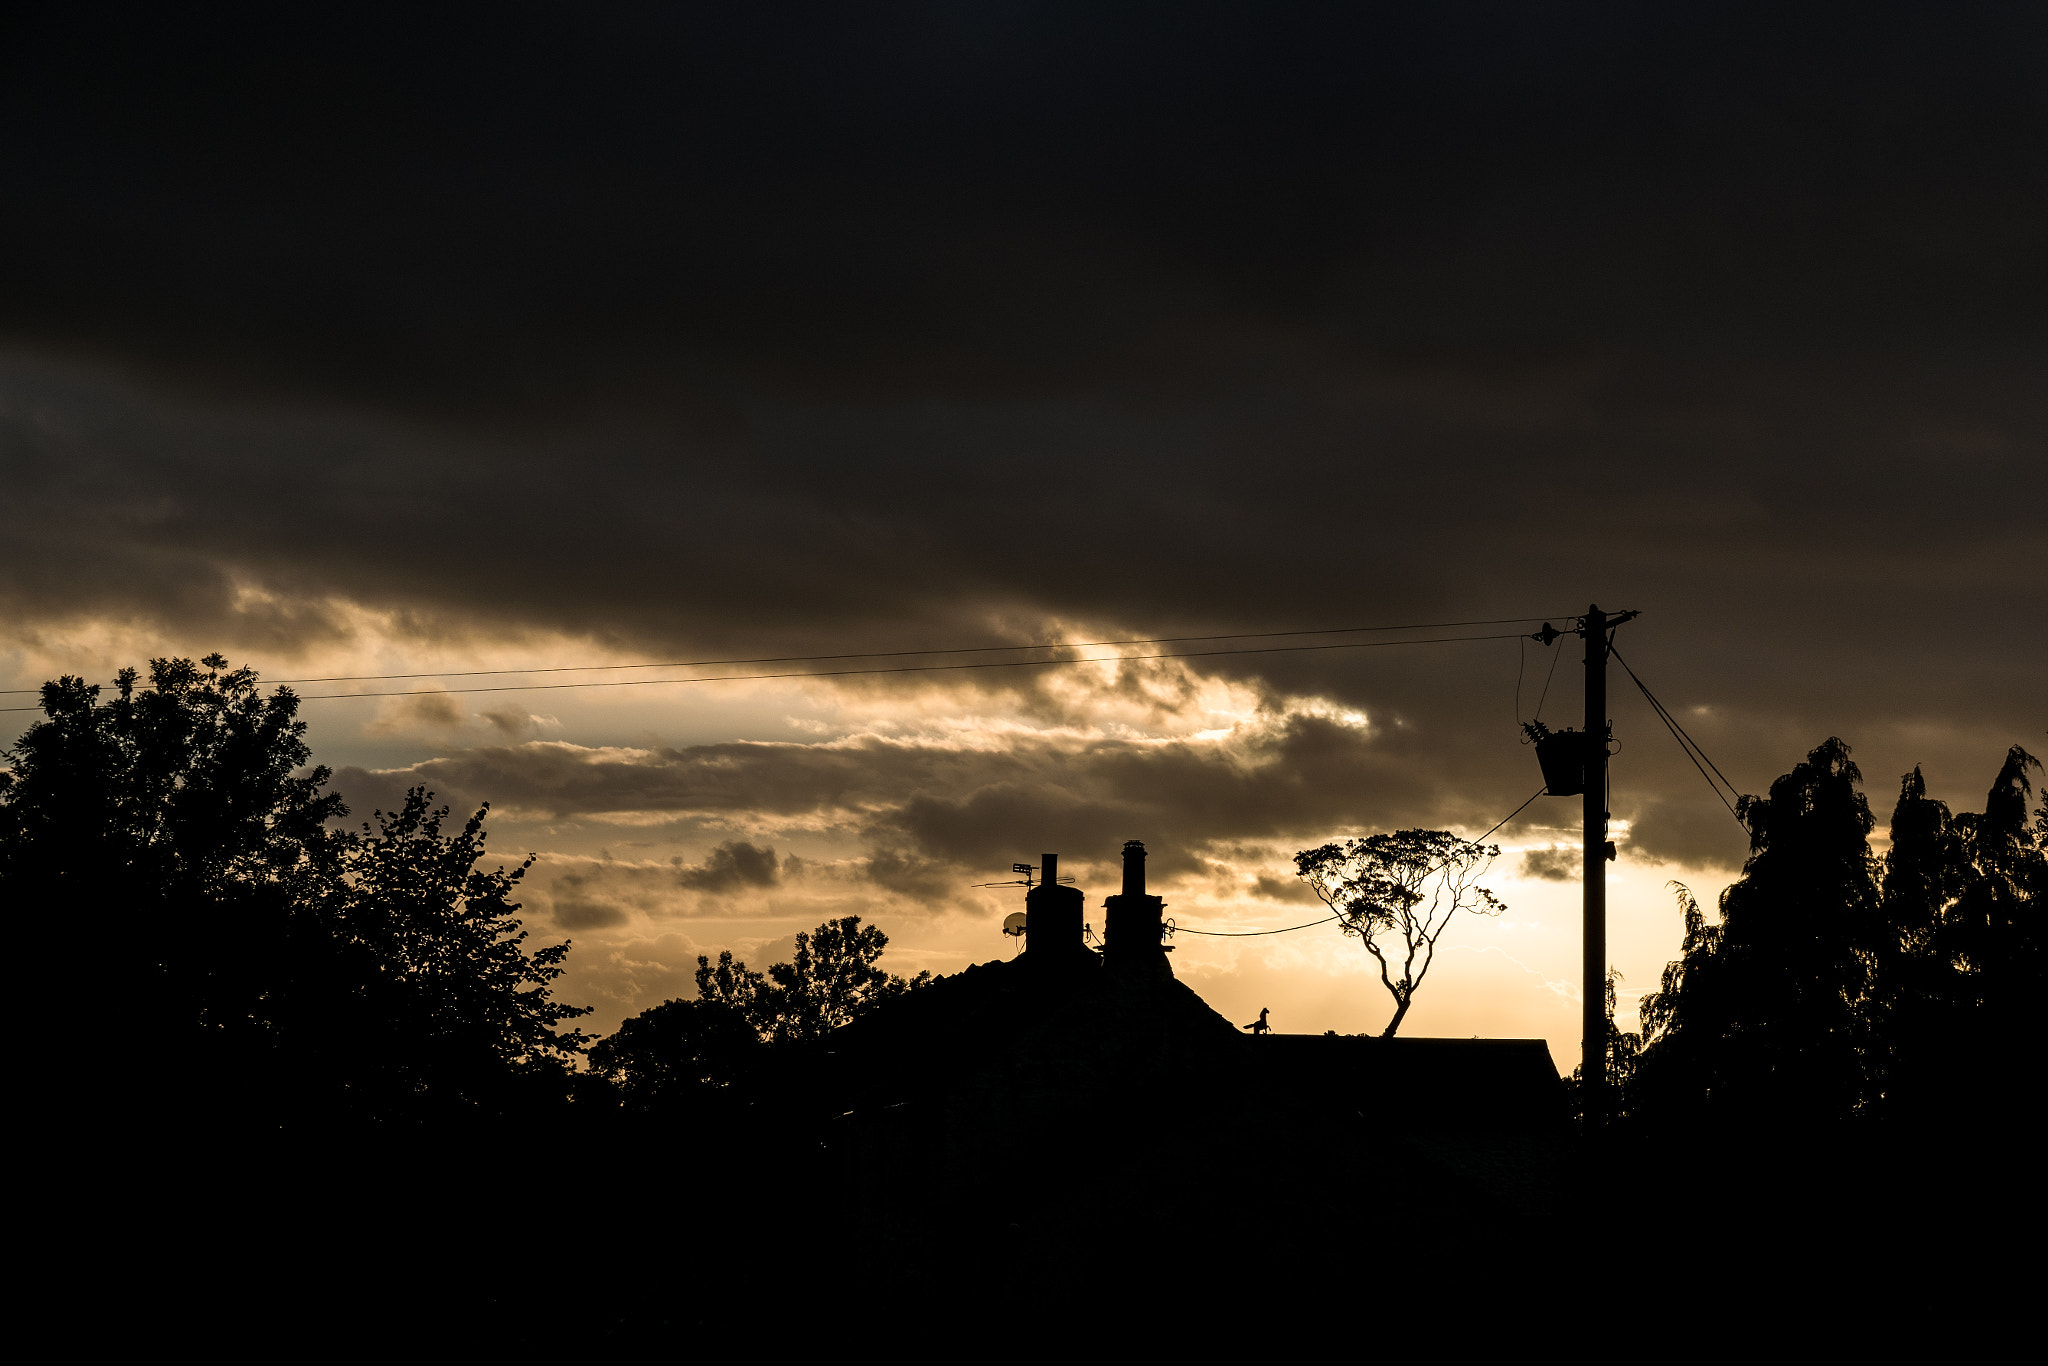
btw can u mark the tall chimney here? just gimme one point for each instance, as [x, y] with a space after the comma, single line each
[1055, 913]
[1131, 935]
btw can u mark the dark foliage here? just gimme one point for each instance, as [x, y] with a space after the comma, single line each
[1835, 986]
[452, 1009]
[1624, 1048]
[679, 1056]
[833, 981]
[255, 966]
[1964, 897]
[683, 1056]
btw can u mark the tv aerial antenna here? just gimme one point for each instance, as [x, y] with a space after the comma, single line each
[1016, 923]
[1026, 881]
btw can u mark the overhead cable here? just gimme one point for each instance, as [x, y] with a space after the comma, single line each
[885, 654]
[1687, 743]
[890, 669]
[907, 654]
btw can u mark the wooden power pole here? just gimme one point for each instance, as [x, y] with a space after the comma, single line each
[1597, 1086]
[1593, 1047]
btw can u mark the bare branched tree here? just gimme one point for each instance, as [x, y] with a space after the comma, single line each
[1401, 887]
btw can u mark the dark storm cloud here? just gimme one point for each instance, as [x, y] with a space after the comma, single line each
[732, 866]
[776, 328]
[489, 205]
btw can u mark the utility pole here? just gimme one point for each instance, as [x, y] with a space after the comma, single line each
[1593, 1048]
[1593, 1045]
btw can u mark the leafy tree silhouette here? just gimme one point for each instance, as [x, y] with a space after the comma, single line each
[682, 1055]
[173, 820]
[1836, 986]
[1764, 1015]
[1926, 872]
[1403, 886]
[1992, 933]
[832, 982]
[1963, 898]
[678, 1055]
[256, 962]
[1623, 1048]
[464, 1014]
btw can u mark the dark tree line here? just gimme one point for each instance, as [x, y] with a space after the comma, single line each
[233, 958]
[1835, 985]
[232, 954]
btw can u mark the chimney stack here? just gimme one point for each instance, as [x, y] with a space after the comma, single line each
[1131, 935]
[1055, 913]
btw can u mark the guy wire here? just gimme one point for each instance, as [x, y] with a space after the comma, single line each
[1690, 746]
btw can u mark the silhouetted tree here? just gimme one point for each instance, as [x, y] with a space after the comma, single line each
[1963, 898]
[832, 982]
[678, 1054]
[736, 986]
[1827, 990]
[1917, 996]
[1403, 886]
[1993, 931]
[1681, 1035]
[249, 959]
[1765, 1015]
[172, 829]
[464, 1012]
[1926, 869]
[1623, 1049]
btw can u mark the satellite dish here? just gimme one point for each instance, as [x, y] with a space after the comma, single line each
[1013, 924]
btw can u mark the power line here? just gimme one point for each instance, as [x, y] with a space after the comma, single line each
[1512, 814]
[1253, 934]
[885, 654]
[1686, 743]
[1678, 731]
[1521, 665]
[914, 668]
[1555, 655]
[892, 669]
[906, 654]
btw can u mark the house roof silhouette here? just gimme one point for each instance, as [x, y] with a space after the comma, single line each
[1061, 1075]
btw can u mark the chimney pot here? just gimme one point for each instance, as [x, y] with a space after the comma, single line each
[1134, 868]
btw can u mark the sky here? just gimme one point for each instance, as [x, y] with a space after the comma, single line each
[365, 339]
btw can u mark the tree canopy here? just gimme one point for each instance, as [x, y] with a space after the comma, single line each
[681, 1054]
[1403, 887]
[1835, 985]
[833, 980]
[461, 1008]
[255, 958]
[678, 1054]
